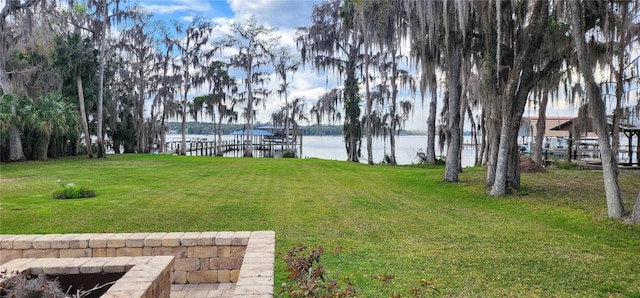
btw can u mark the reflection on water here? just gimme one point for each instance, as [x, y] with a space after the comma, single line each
[332, 147]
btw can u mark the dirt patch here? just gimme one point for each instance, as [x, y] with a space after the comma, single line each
[10, 180]
[527, 165]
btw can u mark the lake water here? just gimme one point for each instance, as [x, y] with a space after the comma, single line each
[332, 147]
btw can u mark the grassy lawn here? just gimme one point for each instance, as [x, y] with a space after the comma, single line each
[550, 240]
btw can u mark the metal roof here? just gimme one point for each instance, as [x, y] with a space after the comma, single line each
[256, 132]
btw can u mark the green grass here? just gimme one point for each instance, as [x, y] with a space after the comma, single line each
[552, 239]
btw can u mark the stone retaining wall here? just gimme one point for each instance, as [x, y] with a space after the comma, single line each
[200, 257]
[144, 277]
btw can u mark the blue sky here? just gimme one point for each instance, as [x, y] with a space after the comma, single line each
[286, 16]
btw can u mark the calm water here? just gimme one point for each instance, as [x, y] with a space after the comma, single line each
[332, 147]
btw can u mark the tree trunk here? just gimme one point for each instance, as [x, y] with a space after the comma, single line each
[394, 101]
[493, 144]
[369, 108]
[617, 113]
[219, 151]
[483, 146]
[453, 142]
[540, 129]
[43, 146]
[514, 98]
[83, 115]
[16, 153]
[635, 214]
[431, 123]
[352, 128]
[597, 112]
[99, 118]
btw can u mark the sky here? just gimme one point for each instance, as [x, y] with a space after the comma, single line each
[286, 16]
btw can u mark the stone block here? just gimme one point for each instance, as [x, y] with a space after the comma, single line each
[61, 242]
[6, 241]
[233, 277]
[136, 240]
[176, 251]
[154, 239]
[24, 241]
[224, 275]
[115, 265]
[204, 263]
[202, 251]
[224, 238]
[7, 255]
[241, 238]
[207, 238]
[64, 266]
[94, 265]
[188, 264]
[41, 253]
[179, 277]
[79, 240]
[44, 241]
[76, 253]
[207, 276]
[99, 252]
[111, 252]
[118, 240]
[129, 252]
[237, 251]
[225, 263]
[100, 240]
[224, 251]
[253, 291]
[37, 264]
[189, 239]
[172, 239]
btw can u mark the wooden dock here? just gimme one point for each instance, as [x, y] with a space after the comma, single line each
[211, 148]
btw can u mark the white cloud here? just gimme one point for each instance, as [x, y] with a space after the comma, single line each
[281, 14]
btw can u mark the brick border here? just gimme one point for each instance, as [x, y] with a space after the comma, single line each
[145, 277]
[246, 258]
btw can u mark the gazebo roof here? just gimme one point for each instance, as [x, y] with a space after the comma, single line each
[256, 132]
[628, 125]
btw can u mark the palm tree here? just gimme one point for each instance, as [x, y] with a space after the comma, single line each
[15, 10]
[11, 121]
[76, 56]
[49, 116]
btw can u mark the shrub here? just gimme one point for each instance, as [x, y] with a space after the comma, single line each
[288, 154]
[565, 165]
[307, 277]
[71, 191]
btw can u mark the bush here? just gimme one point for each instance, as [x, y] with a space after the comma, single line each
[307, 277]
[288, 154]
[565, 165]
[71, 191]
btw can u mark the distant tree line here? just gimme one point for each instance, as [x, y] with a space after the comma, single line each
[207, 129]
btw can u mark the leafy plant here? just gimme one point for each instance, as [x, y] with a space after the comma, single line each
[565, 165]
[307, 277]
[288, 154]
[71, 191]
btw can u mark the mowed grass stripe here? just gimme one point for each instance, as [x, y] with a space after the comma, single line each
[402, 221]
